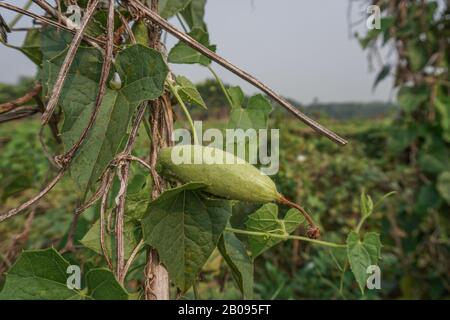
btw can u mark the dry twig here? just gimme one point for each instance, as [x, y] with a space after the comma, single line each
[154, 17]
[64, 70]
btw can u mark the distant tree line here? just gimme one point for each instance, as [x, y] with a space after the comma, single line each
[218, 106]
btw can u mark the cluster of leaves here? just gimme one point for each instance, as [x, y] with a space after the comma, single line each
[420, 138]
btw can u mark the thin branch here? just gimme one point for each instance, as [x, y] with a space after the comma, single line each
[45, 149]
[5, 107]
[64, 70]
[107, 60]
[123, 174]
[18, 113]
[285, 237]
[313, 230]
[103, 207]
[98, 194]
[131, 259]
[222, 86]
[184, 108]
[142, 162]
[154, 17]
[127, 27]
[19, 16]
[92, 40]
[36, 198]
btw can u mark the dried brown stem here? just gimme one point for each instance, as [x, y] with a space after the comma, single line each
[127, 27]
[131, 259]
[5, 107]
[64, 70]
[103, 207]
[56, 13]
[142, 162]
[18, 113]
[53, 123]
[97, 195]
[154, 17]
[36, 198]
[123, 174]
[313, 229]
[91, 40]
[107, 60]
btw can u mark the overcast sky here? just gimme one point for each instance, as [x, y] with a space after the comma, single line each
[300, 48]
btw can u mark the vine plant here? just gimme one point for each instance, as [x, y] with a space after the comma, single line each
[99, 82]
[417, 32]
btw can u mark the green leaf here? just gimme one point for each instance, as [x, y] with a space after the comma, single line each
[362, 254]
[140, 32]
[102, 285]
[255, 115]
[410, 98]
[42, 274]
[131, 234]
[138, 201]
[188, 92]
[434, 160]
[372, 244]
[194, 14]
[366, 205]
[384, 72]
[442, 106]
[237, 96]
[241, 265]
[417, 55]
[359, 259]
[143, 73]
[183, 54]
[185, 227]
[443, 185]
[266, 220]
[169, 8]
[39, 275]
[428, 198]
[31, 46]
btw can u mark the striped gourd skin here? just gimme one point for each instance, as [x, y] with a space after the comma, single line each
[237, 181]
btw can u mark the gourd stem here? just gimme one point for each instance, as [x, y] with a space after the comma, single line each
[285, 237]
[185, 110]
[314, 231]
[222, 86]
[17, 18]
[216, 76]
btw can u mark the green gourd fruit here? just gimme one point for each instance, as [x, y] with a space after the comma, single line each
[224, 175]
